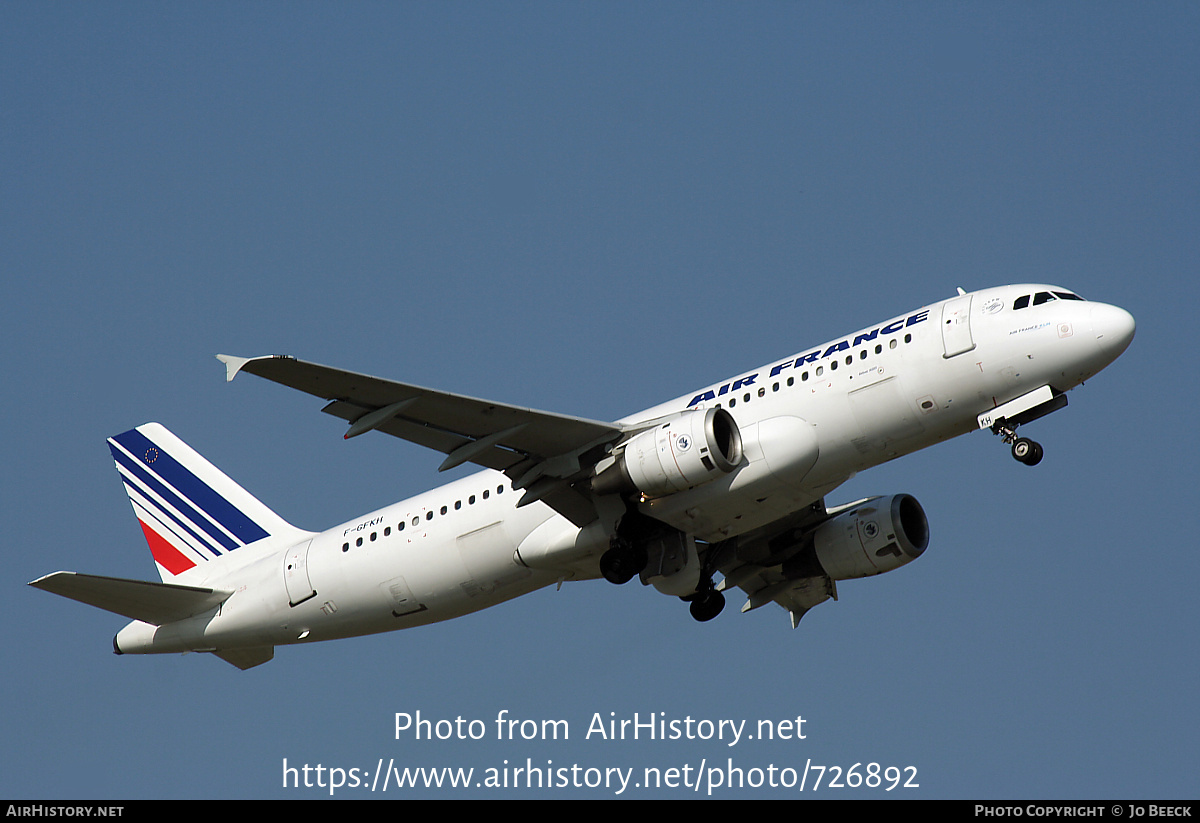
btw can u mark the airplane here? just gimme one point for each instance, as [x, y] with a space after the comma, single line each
[730, 479]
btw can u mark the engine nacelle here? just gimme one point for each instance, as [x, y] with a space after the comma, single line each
[876, 537]
[686, 451]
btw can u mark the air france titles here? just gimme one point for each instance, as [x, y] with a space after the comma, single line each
[822, 353]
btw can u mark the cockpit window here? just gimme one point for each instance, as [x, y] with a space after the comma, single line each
[1041, 297]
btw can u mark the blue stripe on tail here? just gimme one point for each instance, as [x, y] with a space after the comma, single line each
[154, 463]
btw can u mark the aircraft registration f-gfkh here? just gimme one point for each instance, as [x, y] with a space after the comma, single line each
[730, 479]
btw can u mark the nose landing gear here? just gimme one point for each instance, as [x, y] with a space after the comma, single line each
[1024, 450]
[1004, 419]
[1027, 451]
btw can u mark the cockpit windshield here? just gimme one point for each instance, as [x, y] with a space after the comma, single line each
[1041, 297]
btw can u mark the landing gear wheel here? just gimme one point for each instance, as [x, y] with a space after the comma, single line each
[706, 605]
[622, 562]
[1027, 451]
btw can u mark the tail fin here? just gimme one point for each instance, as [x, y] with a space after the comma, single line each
[190, 511]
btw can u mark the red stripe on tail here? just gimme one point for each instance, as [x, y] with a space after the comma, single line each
[164, 553]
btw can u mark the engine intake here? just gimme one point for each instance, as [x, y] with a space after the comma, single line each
[876, 537]
[686, 451]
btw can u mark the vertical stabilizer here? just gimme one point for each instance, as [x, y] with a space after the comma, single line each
[190, 511]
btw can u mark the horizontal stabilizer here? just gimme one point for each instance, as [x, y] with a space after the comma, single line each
[154, 603]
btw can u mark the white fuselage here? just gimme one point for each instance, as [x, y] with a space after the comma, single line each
[808, 423]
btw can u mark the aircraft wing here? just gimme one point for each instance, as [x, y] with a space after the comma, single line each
[796, 596]
[545, 454]
[755, 566]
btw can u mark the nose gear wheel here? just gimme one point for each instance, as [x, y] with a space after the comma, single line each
[1024, 450]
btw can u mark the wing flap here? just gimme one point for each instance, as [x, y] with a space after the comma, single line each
[804, 595]
[754, 564]
[495, 456]
[767, 585]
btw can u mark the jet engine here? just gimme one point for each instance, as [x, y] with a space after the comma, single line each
[686, 451]
[882, 534]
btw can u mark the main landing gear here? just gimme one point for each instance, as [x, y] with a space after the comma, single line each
[623, 561]
[1024, 450]
[706, 603]
[641, 542]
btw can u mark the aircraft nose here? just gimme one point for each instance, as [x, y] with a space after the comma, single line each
[1113, 327]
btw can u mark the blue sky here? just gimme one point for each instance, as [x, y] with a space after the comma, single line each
[590, 208]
